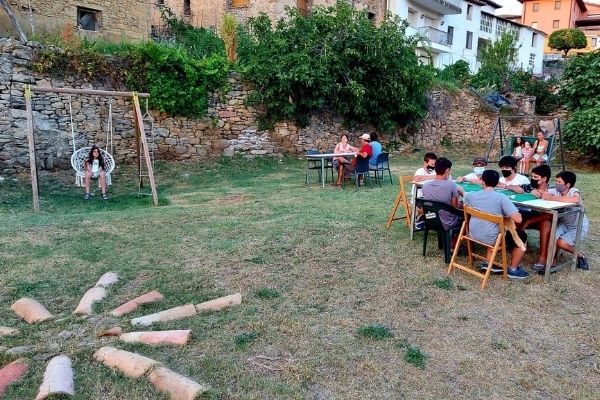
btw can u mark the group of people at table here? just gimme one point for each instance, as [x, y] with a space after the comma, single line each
[437, 185]
[369, 150]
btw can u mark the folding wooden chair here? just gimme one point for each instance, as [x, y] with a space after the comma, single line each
[401, 199]
[499, 245]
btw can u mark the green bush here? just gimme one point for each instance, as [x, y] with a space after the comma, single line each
[546, 100]
[336, 60]
[580, 88]
[458, 73]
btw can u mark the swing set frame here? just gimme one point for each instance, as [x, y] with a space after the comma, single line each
[140, 136]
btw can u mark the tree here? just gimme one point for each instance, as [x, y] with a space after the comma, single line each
[497, 61]
[567, 39]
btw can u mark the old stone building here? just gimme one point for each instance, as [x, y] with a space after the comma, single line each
[208, 13]
[108, 19]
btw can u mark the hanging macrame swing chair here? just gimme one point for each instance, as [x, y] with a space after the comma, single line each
[80, 156]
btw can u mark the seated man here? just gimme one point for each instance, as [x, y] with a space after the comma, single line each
[363, 154]
[540, 176]
[491, 202]
[510, 179]
[444, 191]
[377, 149]
[479, 165]
[566, 230]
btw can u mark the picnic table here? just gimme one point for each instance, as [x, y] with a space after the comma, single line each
[528, 201]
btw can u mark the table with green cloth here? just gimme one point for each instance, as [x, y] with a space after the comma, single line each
[515, 197]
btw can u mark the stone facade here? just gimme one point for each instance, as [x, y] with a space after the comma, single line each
[208, 13]
[230, 127]
[114, 20]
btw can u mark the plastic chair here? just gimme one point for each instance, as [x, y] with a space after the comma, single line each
[382, 165]
[314, 165]
[431, 210]
[78, 163]
[401, 199]
[362, 169]
[329, 166]
[500, 244]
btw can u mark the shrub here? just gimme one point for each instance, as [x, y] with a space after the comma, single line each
[458, 73]
[337, 60]
[546, 100]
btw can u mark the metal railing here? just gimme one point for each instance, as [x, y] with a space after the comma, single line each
[434, 34]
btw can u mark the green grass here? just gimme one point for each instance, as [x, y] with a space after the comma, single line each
[375, 331]
[314, 266]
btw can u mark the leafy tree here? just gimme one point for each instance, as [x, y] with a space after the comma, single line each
[580, 88]
[336, 59]
[458, 72]
[497, 61]
[546, 98]
[567, 39]
[229, 34]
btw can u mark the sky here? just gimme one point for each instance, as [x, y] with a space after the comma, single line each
[509, 7]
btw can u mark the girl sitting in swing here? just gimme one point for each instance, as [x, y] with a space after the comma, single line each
[94, 168]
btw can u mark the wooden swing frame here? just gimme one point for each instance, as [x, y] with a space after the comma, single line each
[140, 136]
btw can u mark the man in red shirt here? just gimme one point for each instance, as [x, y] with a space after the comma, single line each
[362, 157]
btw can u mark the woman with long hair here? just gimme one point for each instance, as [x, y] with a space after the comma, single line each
[94, 168]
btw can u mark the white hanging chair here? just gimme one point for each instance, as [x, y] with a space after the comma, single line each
[79, 156]
[78, 163]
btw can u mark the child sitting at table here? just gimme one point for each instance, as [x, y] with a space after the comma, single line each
[566, 230]
[479, 165]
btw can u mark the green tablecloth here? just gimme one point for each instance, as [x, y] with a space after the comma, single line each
[473, 187]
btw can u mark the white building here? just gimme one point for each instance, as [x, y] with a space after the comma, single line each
[458, 29]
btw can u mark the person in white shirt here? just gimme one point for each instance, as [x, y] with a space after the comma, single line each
[94, 168]
[510, 179]
[425, 173]
[479, 165]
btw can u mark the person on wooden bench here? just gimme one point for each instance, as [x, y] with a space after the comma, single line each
[566, 230]
[94, 168]
[492, 202]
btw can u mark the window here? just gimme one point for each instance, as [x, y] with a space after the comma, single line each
[302, 6]
[412, 18]
[501, 27]
[88, 19]
[531, 60]
[533, 39]
[556, 24]
[485, 24]
[451, 35]
[187, 8]
[536, 7]
[534, 25]
[594, 42]
[239, 3]
[557, 5]
[469, 11]
[469, 44]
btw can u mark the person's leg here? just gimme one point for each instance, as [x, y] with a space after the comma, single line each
[102, 180]
[86, 182]
[514, 270]
[544, 226]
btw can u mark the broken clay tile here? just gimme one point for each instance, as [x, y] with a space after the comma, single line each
[30, 310]
[135, 303]
[220, 303]
[173, 337]
[58, 378]
[90, 297]
[114, 331]
[130, 364]
[171, 314]
[12, 373]
[108, 279]
[7, 331]
[177, 386]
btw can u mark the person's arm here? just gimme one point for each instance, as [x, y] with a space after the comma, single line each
[515, 188]
[575, 198]
[87, 165]
[337, 148]
[517, 217]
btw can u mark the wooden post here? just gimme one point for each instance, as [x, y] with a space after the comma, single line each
[13, 19]
[31, 143]
[142, 133]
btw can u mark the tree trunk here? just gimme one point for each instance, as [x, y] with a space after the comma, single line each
[13, 19]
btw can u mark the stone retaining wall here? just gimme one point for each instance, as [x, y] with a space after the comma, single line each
[230, 127]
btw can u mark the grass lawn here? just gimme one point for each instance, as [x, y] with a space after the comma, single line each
[334, 306]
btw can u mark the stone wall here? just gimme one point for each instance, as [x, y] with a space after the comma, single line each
[117, 19]
[230, 127]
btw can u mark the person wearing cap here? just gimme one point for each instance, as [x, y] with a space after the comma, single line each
[363, 154]
[479, 165]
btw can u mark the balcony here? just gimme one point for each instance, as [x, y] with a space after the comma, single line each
[443, 7]
[434, 35]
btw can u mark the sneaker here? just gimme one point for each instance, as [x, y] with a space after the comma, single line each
[537, 267]
[582, 263]
[543, 270]
[87, 196]
[104, 196]
[517, 273]
[495, 269]
[419, 225]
